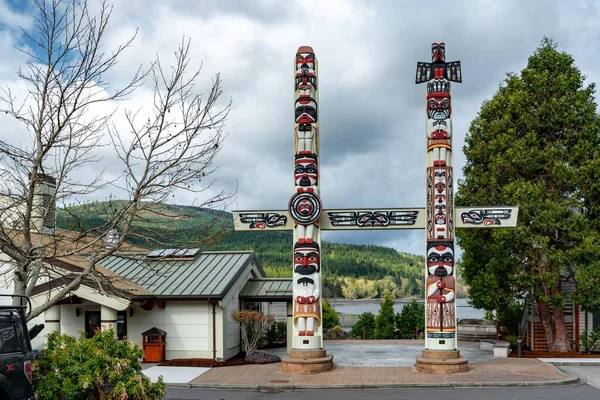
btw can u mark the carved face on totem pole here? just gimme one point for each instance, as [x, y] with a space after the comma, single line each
[440, 258]
[438, 52]
[440, 182]
[438, 105]
[305, 68]
[306, 258]
[306, 110]
[306, 172]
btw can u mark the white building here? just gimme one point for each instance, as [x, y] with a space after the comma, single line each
[188, 294]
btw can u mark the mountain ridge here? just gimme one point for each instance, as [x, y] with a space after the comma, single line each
[349, 270]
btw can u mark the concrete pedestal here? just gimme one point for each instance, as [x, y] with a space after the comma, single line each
[441, 362]
[307, 362]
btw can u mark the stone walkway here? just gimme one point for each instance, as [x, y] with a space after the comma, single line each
[485, 370]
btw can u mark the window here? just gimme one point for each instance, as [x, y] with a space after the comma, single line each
[596, 320]
[122, 325]
[92, 323]
[9, 341]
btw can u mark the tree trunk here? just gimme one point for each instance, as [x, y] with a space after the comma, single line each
[546, 317]
[20, 286]
[561, 339]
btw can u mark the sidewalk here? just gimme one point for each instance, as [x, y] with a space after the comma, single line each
[500, 372]
[371, 364]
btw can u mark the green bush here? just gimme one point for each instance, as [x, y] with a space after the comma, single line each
[385, 322]
[101, 367]
[277, 333]
[411, 320]
[330, 316]
[513, 340]
[589, 340]
[365, 321]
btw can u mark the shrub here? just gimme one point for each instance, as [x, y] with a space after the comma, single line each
[330, 316]
[254, 326]
[385, 322]
[277, 333]
[589, 340]
[512, 340]
[101, 367]
[411, 320]
[364, 327]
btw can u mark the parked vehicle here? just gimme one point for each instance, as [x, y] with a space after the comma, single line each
[16, 358]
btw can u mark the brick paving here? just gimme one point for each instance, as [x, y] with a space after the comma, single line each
[496, 372]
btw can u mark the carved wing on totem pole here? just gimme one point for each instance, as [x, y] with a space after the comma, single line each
[261, 220]
[451, 71]
[357, 219]
[489, 217]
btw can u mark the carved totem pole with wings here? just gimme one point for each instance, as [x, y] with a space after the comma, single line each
[440, 316]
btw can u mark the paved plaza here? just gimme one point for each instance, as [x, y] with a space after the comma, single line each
[369, 364]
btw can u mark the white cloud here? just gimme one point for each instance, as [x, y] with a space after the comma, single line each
[371, 113]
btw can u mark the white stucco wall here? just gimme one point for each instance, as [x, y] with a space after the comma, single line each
[232, 331]
[186, 324]
[231, 302]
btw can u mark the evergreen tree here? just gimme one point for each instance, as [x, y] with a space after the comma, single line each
[364, 327]
[535, 145]
[330, 316]
[385, 322]
[411, 320]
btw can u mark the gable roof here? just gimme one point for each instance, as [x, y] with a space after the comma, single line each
[210, 275]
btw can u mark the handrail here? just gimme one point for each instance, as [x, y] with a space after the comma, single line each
[524, 318]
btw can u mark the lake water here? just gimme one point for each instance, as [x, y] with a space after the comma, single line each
[348, 310]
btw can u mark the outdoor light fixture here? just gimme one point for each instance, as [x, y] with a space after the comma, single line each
[78, 312]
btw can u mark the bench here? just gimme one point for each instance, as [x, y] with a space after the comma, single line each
[499, 347]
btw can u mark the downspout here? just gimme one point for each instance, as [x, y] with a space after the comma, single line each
[214, 333]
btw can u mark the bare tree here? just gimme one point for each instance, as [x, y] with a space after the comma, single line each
[167, 147]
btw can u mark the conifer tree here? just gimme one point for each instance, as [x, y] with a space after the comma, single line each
[535, 145]
[385, 321]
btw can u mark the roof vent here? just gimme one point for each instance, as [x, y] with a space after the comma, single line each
[173, 254]
[112, 238]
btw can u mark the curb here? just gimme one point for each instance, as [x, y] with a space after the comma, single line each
[576, 364]
[293, 387]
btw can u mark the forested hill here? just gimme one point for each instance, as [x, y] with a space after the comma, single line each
[351, 271]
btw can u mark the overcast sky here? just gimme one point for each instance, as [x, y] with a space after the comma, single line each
[371, 114]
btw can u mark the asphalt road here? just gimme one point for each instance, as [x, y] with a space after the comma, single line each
[589, 373]
[517, 393]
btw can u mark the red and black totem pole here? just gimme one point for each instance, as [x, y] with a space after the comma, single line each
[440, 315]
[305, 206]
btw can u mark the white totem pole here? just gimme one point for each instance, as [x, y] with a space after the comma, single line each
[305, 205]
[440, 288]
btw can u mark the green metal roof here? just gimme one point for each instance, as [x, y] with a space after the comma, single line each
[267, 290]
[210, 275]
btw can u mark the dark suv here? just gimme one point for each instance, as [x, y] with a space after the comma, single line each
[15, 350]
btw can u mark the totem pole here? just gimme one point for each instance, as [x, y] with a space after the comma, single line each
[305, 205]
[440, 315]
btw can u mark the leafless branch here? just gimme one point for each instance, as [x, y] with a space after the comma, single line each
[170, 150]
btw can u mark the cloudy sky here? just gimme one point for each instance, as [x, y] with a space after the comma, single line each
[371, 113]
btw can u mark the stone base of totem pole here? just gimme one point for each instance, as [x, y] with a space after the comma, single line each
[307, 362]
[441, 362]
